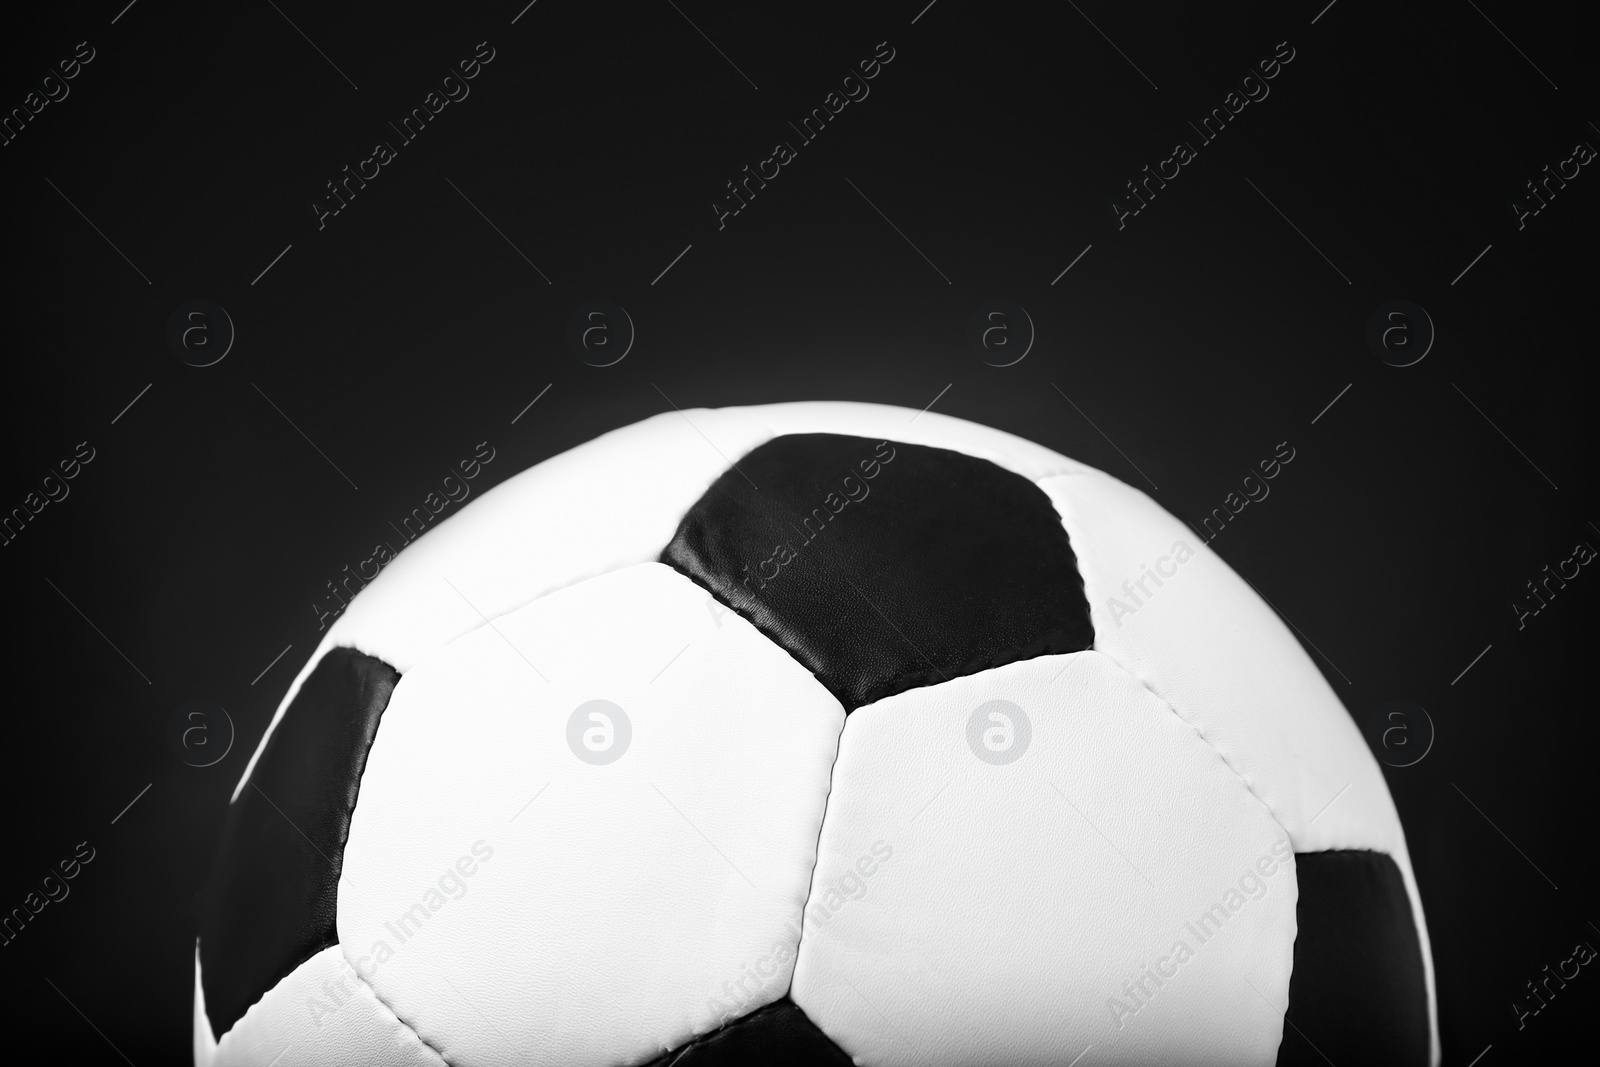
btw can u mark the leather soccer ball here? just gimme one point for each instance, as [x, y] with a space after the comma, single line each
[817, 733]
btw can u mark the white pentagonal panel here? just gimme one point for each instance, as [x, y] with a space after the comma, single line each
[989, 889]
[524, 888]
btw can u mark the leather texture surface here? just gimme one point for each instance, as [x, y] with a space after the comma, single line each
[883, 566]
[1208, 644]
[1357, 994]
[778, 1035]
[627, 906]
[320, 1014]
[656, 902]
[1019, 898]
[271, 900]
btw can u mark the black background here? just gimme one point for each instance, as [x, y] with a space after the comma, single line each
[408, 329]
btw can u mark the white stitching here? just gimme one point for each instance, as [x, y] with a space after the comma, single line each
[392, 1013]
[217, 1046]
[1273, 815]
[1206, 740]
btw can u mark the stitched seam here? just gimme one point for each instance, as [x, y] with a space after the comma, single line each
[348, 819]
[621, 566]
[1049, 643]
[347, 642]
[392, 1013]
[373, 652]
[1428, 972]
[1151, 690]
[845, 706]
[700, 1040]
[366, 756]
[838, 746]
[1169, 704]
[344, 833]
[273, 984]
[815, 672]
[489, 622]
[259, 1000]
[816, 863]
[771, 435]
[491, 619]
[1052, 642]
[1208, 743]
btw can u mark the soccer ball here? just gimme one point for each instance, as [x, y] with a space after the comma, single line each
[817, 733]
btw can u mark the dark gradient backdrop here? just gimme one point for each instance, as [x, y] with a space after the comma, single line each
[378, 350]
